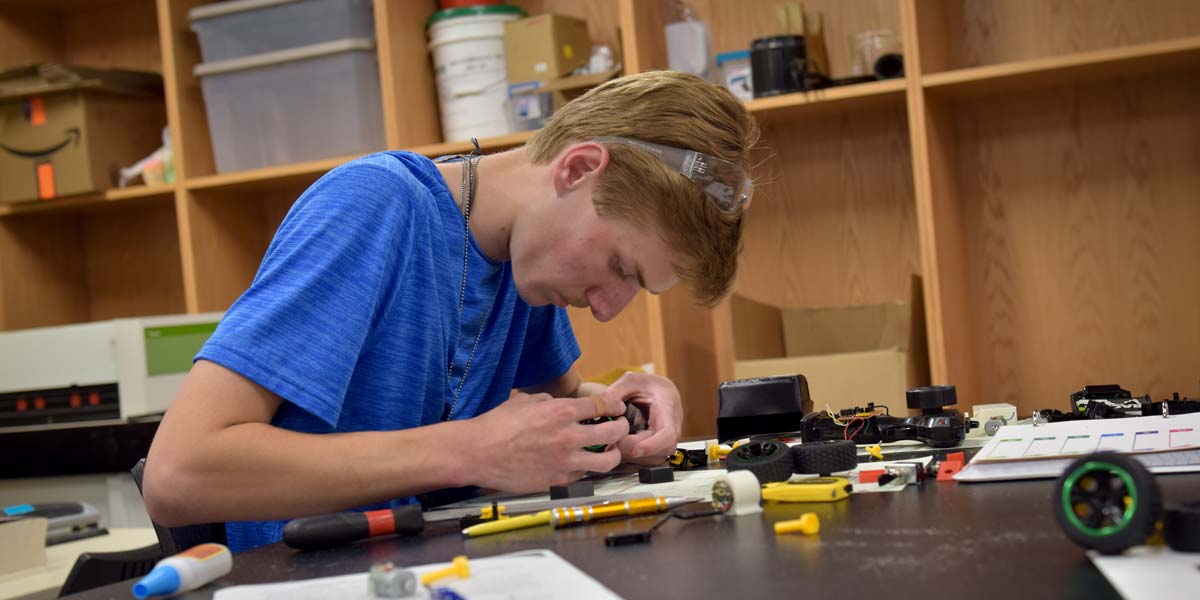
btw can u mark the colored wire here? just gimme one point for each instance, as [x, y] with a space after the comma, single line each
[861, 426]
[846, 428]
[833, 416]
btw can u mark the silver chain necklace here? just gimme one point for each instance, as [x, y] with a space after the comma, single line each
[467, 194]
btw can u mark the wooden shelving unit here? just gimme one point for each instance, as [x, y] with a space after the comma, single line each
[1037, 166]
[116, 196]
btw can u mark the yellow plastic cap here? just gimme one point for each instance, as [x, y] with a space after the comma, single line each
[808, 524]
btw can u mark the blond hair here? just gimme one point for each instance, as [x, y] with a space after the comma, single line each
[674, 109]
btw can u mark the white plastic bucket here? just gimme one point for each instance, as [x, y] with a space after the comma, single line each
[472, 80]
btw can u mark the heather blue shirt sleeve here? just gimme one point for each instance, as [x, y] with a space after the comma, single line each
[550, 347]
[301, 327]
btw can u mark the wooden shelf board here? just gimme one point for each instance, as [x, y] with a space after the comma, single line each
[1069, 68]
[496, 143]
[830, 97]
[113, 197]
[299, 173]
[268, 176]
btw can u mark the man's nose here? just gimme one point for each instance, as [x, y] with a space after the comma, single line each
[608, 301]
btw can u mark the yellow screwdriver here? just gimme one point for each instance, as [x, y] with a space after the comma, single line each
[574, 515]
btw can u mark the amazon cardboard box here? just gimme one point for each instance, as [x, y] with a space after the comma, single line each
[545, 47]
[850, 355]
[68, 130]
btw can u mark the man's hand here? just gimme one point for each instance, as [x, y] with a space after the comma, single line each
[660, 396]
[531, 442]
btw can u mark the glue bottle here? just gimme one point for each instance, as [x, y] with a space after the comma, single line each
[185, 571]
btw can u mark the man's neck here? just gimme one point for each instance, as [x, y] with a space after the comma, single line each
[498, 196]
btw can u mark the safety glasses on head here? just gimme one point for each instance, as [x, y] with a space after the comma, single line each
[725, 182]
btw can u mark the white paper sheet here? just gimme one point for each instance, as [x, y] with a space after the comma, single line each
[1168, 445]
[533, 575]
[1151, 573]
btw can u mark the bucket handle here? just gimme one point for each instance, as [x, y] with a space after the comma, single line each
[475, 91]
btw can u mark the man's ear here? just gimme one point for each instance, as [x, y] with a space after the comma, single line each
[577, 164]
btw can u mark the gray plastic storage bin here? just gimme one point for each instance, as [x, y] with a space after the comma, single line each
[295, 105]
[240, 28]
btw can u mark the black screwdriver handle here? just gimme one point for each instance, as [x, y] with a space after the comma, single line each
[337, 529]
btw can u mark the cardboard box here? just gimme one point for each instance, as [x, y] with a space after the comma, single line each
[68, 130]
[24, 544]
[850, 355]
[545, 47]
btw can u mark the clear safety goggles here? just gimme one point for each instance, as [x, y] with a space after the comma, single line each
[725, 182]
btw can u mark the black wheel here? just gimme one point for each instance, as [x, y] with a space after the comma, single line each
[1107, 502]
[769, 461]
[826, 457]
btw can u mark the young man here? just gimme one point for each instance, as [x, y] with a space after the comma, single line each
[401, 302]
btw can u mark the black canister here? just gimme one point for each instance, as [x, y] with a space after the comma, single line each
[777, 65]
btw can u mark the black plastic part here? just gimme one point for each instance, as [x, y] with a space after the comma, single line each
[660, 474]
[1181, 527]
[627, 539]
[933, 397]
[1100, 488]
[94, 569]
[338, 529]
[747, 407]
[636, 415]
[579, 489]
[824, 458]
[889, 66]
[769, 460]
[778, 65]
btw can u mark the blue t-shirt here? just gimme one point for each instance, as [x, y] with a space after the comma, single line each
[353, 316]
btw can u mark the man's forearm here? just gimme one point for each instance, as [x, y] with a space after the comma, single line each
[255, 471]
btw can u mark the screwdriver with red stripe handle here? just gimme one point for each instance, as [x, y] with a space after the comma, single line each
[338, 529]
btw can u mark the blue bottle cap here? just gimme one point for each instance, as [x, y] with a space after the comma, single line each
[725, 57]
[160, 581]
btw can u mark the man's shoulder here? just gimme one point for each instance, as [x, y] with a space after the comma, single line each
[405, 169]
[382, 186]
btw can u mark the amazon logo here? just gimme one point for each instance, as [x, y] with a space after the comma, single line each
[72, 138]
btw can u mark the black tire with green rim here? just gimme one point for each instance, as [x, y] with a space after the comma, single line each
[769, 461]
[1107, 502]
[826, 457]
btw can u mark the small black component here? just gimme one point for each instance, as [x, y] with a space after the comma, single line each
[823, 458]
[889, 66]
[579, 489]
[933, 397]
[1107, 501]
[688, 459]
[659, 474]
[749, 407]
[1181, 527]
[885, 479]
[768, 460]
[638, 537]
[636, 415]
[627, 539]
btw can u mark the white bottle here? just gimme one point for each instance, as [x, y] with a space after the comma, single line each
[185, 571]
[688, 45]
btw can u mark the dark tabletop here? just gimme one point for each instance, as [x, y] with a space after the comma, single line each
[939, 540]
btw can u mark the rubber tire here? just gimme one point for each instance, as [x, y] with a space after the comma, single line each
[1181, 527]
[825, 458]
[1139, 525]
[769, 460]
